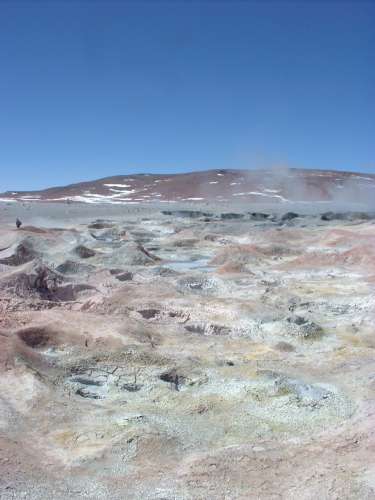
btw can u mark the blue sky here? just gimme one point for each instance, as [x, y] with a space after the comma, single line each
[93, 89]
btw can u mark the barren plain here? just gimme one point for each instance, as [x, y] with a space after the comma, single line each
[187, 351]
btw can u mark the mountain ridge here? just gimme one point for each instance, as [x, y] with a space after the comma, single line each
[271, 185]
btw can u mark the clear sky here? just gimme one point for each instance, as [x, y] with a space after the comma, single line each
[90, 89]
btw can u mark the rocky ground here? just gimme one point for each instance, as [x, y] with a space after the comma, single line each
[186, 352]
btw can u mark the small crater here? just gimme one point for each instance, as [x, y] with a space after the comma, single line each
[100, 224]
[35, 337]
[297, 320]
[127, 276]
[132, 387]
[284, 347]
[84, 393]
[149, 313]
[87, 381]
[208, 329]
[116, 271]
[231, 216]
[197, 284]
[259, 216]
[173, 378]
[304, 328]
[200, 329]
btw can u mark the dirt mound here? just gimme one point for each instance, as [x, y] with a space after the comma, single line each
[71, 292]
[100, 224]
[360, 256]
[42, 282]
[347, 216]
[33, 229]
[231, 216]
[84, 252]
[231, 267]
[259, 216]
[208, 329]
[37, 280]
[190, 214]
[303, 328]
[72, 267]
[234, 258]
[186, 242]
[132, 254]
[290, 216]
[24, 252]
[236, 255]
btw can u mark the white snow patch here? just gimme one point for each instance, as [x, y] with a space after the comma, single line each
[257, 193]
[118, 194]
[269, 195]
[101, 196]
[122, 191]
[118, 185]
[213, 182]
[82, 199]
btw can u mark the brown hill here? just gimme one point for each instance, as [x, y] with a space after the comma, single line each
[213, 185]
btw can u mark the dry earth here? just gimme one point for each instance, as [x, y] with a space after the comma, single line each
[178, 352]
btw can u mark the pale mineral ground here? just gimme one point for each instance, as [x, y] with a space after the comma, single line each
[187, 351]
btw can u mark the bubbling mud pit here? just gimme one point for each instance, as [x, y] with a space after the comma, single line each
[187, 353]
